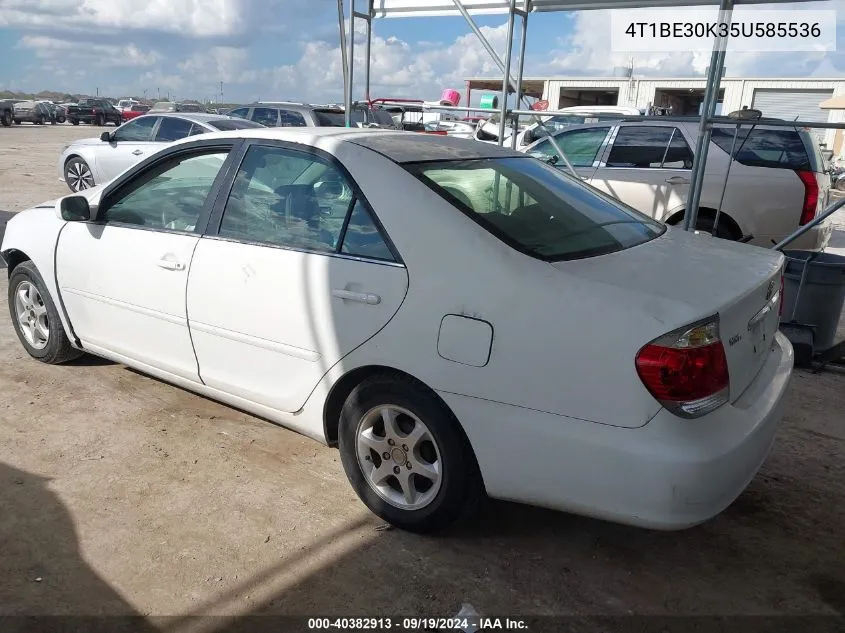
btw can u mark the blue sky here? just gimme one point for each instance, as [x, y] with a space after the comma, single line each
[288, 49]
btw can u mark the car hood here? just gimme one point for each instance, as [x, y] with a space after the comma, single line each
[86, 142]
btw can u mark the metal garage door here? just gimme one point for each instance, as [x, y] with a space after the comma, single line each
[792, 104]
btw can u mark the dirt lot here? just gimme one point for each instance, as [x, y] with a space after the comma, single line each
[123, 495]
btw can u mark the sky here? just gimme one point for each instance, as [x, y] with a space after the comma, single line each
[289, 50]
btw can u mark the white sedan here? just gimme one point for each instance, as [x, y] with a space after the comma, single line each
[457, 318]
[93, 161]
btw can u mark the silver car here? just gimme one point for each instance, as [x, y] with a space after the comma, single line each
[93, 161]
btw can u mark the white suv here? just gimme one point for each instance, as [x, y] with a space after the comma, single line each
[777, 182]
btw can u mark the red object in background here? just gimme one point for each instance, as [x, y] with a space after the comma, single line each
[134, 111]
[540, 105]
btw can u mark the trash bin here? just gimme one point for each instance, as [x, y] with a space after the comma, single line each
[822, 296]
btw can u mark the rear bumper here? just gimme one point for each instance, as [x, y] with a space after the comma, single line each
[669, 474]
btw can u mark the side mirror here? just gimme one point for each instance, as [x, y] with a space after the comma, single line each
[528, 137]
[106, 137]
[75, 209]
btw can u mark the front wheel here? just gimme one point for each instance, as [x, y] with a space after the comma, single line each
[6, 119]
[35, 318]
[74, 122]
[405, 455]
[98, 120]
[78, 175]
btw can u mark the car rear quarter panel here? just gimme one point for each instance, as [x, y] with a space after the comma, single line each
[561, 345]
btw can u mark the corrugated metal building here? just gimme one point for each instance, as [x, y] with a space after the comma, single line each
[781, 98]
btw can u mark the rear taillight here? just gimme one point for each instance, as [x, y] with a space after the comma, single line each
[811, 196]
[686, 370]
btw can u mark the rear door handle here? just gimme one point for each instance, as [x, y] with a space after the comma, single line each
[360, 297]
[677, 180]
[169, 264]
[137, 152]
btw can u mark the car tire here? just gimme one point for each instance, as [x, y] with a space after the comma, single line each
[74, 122]
[429, 478]
[35, 318]
[78, 176]
[99, 121]
[61, 119]
[17, 122]
[6, 119]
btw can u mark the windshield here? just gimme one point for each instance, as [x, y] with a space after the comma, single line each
[224, 125]
[537, 209]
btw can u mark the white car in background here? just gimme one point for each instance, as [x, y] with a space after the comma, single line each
[778, 180]
[93, 161]
[488, 131]
[456, 317]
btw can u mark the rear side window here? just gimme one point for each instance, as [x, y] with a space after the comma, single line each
[650, 147]
[289, 118]
[780, 149]
[241, 113]
[266, 116]
[330, 118]
[536, 208]
[172, 129]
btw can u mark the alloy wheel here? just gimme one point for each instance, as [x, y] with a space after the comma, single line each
[399, 457]
[32, 315]
[79, 176]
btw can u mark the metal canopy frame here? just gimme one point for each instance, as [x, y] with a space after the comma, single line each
[511, 85]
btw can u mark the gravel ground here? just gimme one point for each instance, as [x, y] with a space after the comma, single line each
[120, 494]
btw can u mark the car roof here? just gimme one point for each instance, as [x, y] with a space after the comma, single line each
[398, 146]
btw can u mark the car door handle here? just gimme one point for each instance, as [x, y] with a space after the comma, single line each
[169, 264]
[360, 297]
[678, 180]
[137, 152]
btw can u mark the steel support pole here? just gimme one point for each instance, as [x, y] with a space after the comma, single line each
[503, 121]
[367, 50]
[350, 89]
[725, 183]
[711, 96]
[523, 36]
[344, 61]
[490, 50]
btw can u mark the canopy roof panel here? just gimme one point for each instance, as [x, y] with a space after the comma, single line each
[432, 8]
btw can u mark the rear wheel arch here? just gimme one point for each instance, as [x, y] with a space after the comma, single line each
[343, 387]
[725, 220]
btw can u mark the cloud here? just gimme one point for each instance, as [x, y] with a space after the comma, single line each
[103, 55]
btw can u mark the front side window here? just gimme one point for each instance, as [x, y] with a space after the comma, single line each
[172, 129]
[536, 208]
[266, 116]
[295, 200]
[580, 146]
[640, 146]
[139, 130]
[170, 195]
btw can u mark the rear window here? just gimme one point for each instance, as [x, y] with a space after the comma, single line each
[781, 149]
[225, 125]
[337, 118]
[537, 209]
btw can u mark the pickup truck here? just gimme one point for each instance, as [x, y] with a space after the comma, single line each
[7, 113]
[94, 111]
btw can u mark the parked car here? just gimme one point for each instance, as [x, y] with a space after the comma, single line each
[556, 346]
[177, 106]
[94, 111]
[31, 112]
[126, 104]
[92, 161]
[133, 112]
[7, 112]
[57, 114]
[488, 131]
[290, 114]
[777, 182]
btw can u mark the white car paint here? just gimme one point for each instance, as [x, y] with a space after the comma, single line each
[535, 359]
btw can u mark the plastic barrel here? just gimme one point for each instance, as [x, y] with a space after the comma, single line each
[822, 296]
[450, 97]
[489, 102]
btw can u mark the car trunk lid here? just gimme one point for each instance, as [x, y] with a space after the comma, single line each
[683, 278]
